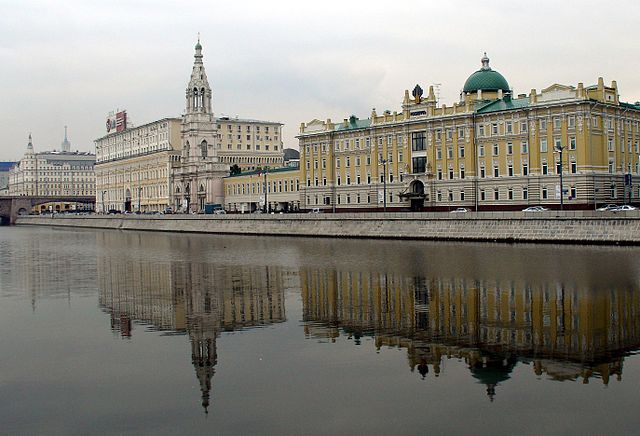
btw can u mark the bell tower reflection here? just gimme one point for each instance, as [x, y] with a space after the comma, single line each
[562, 332]
[191, 298]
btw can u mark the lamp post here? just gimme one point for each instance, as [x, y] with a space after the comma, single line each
[384, 183]
[266, 189]
[559, 149]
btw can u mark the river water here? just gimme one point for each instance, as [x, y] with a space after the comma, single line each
[111, 332]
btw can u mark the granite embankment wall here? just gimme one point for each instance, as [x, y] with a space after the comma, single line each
[569, 227]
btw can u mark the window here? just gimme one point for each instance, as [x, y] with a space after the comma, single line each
[525, 147]
[449, 153]
[496, 194]
[438, 135]
[419, 164]
[611, 167]
[573, 193]
[461, 195]
[449, 134]
[523, 127]
[481, 150]
[571, 121]
[461, 151]
[525, 169]
[482, 195]
[438, 153]
[418, 142]
[545, 168]
[494, 129]
[610, 144]
[545, 193]
[450, 195]
[439, 173]
[525, 193]
[572, 143]
[543, 145]
[574, 167]
[482, 173]
[462, 172]
[496, 149]
[556, 123]
[347, 162]
[450, 173]
[510, 170]
[496, 171]
[439, 196]
[509, 127]
[460, 133]
[510, 194]
[481, 130]
[543, 124]
[337, 162]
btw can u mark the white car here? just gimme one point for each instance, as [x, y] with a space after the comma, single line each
[607, 207]
[624, 207]
[460, 210]
[535, 209]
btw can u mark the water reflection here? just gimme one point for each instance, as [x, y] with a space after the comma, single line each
[197, 298]
[565, 332]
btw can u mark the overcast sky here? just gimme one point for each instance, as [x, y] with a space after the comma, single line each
[70, 62]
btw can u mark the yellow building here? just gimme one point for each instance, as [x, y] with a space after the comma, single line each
[278, 188]
[491, 150]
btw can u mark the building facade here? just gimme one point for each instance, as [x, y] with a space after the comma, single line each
[53, 173]
[250, 144]
[5, 167]
[278, 189]
[490, 150]
[134, 165]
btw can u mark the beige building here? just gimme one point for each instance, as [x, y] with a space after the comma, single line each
[278, 188]
[491, 150]
[250, 144]
[53, 174]
[133, 166]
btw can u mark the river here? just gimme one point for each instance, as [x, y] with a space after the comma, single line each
[116, 332]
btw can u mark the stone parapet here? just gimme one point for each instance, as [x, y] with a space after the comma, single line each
[570, 227]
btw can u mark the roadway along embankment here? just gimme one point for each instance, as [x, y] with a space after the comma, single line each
[546, 227]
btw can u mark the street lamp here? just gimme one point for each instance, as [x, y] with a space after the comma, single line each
[559, 149]
[384, 182]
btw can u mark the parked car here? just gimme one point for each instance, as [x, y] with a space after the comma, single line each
[535, 209]
[607, 207]
[315, 210]
[460, 210]
[219, 212]
[624, 208]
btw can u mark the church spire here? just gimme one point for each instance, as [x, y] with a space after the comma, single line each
[198, 90]
[66, 145]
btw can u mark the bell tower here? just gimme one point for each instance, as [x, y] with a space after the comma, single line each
[198, 129]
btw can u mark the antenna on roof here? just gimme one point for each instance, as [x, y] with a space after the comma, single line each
[437, 86]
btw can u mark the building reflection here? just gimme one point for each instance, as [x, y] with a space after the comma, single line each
[563, 332]
[201, 300]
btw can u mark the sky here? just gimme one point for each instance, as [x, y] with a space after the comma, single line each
[71, 62]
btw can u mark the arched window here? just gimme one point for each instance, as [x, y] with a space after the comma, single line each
[195, 98]
[202, 98]
[203, 148]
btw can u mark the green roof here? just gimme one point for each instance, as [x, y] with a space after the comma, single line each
[503, 104]
[354, 123]
[485, 80]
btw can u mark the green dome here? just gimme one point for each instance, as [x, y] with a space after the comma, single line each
[486, 79]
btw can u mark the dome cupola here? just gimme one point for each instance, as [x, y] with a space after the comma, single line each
[486, 79]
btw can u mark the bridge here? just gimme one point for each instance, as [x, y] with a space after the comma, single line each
[12, 206]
